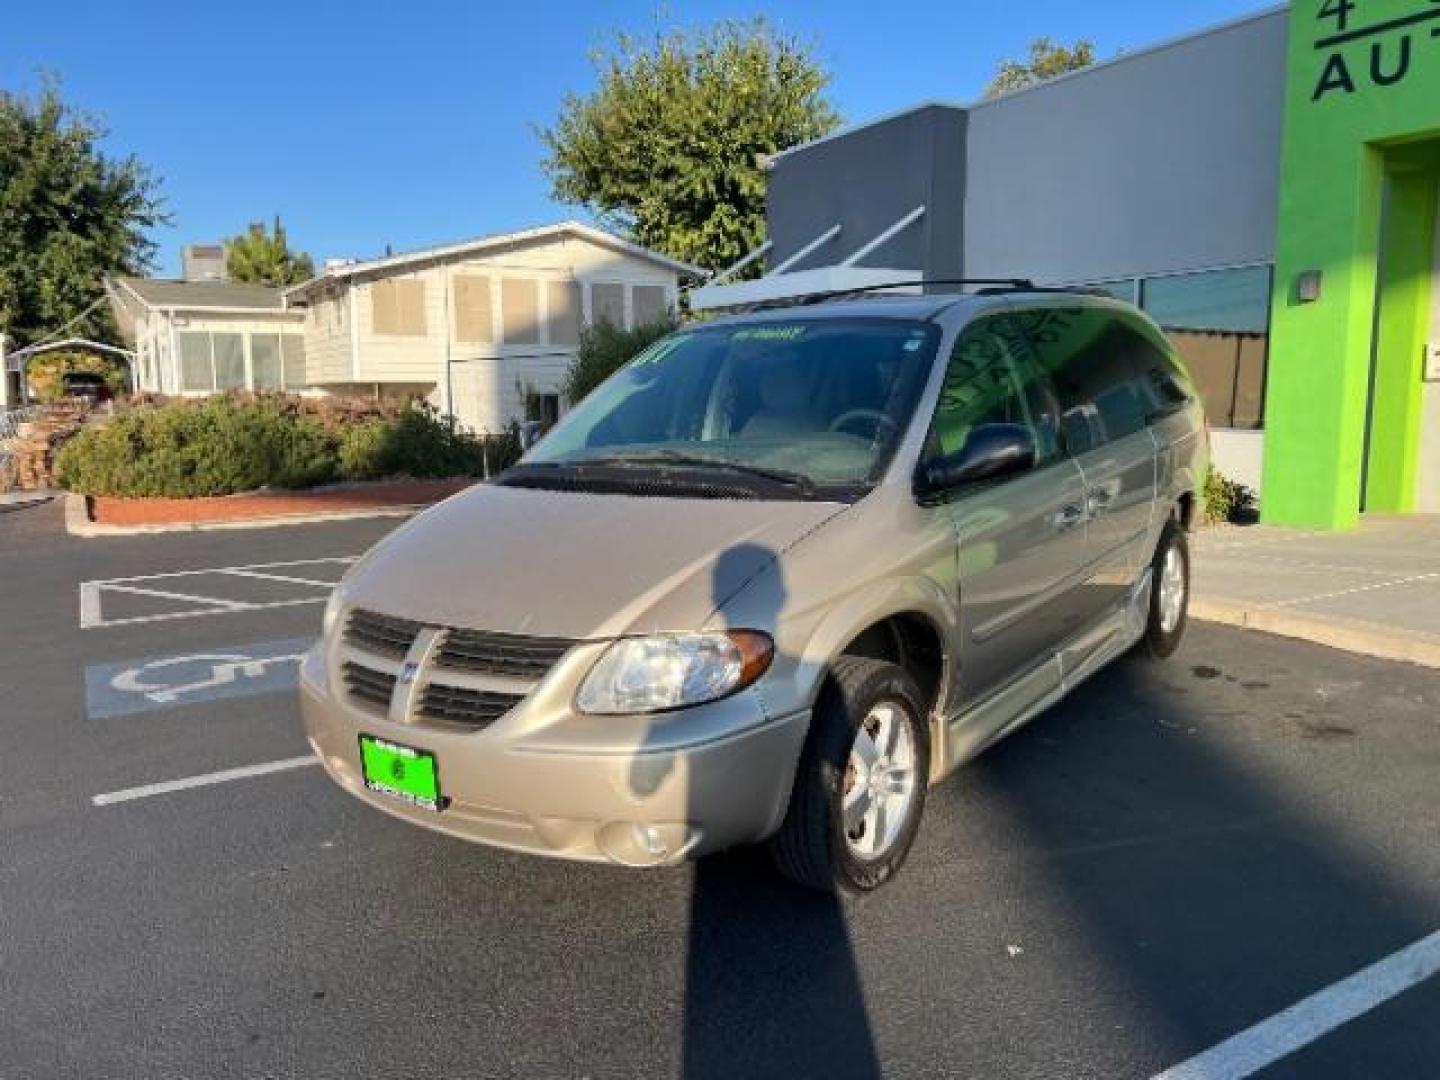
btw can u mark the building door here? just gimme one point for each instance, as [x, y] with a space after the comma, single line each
[1395, 412]
[1427, 492]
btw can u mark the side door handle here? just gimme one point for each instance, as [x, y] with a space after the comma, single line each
[1068, 517]
[1099, 499]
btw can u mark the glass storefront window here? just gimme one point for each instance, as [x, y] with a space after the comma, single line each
[1220, 322]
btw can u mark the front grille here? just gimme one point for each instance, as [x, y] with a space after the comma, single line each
[500, 654]
[459, 705]
[383, 635]
[368, 685]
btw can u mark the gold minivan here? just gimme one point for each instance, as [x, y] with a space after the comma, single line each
[770, 581]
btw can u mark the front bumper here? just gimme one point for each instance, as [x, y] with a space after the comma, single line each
[638, 791]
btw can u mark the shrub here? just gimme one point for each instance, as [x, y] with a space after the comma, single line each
[218, 446]
[241, 442]
[605, 349]
[1226, 499]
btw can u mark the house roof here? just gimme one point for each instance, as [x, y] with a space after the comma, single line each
[201, 295]
[496, 240]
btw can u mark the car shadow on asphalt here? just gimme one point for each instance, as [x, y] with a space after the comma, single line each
[1199, 872]
[1192, 878]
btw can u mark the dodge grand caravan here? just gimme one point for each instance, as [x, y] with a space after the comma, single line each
[777, 576]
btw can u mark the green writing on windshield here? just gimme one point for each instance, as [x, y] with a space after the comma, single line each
[660, 350]
[769, 333]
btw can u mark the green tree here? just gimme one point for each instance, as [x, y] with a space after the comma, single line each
[670, 147]
[69, 216]
[605, 349]
[1047, 59]
[258, 257]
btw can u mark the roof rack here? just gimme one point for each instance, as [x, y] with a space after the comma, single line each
[984, 287]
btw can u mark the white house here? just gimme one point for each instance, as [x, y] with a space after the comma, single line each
[479, 325]
[481, 328]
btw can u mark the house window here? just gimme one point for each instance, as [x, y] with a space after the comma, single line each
[563, 301]
[195, 370]
[649, 303]
[473, 314]
[520, 311]
[229, 353]
[292, 349]
[398, 307]
[607, 303]
[544, 408]
[265, 364]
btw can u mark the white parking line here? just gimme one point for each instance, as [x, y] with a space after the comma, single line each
[197, 603]
[165, 787]
[1303, 1023]
[163, 594]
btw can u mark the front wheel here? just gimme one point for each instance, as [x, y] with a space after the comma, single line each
[860, 785]
[1169, 595]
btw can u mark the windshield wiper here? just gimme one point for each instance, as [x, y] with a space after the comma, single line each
[799, 481]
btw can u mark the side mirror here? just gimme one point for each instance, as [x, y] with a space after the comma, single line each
[990, 452]
[529, 433]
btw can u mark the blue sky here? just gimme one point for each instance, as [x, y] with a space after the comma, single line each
[365, 124]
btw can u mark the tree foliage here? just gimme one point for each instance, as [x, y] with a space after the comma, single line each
[46, 373]
[1047, 59]
[69, 216]
[258, 257]
[669, 147]
[605, 349]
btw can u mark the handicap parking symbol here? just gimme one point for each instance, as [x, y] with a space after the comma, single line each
[135, 686]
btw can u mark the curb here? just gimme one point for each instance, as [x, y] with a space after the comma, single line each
[78, 523]
[1337, 633]
[8, 505]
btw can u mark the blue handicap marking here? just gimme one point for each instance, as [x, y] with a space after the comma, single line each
[166, 682]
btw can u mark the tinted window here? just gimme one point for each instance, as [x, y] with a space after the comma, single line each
[990, 380]
[1097, 365]
[1219, 320]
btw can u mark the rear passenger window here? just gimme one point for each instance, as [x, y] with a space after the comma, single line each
[991, 380]
[1101, 369]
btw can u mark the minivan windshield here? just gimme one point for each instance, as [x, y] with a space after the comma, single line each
[822, 402]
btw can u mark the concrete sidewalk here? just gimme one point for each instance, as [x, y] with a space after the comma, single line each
[1375, 591]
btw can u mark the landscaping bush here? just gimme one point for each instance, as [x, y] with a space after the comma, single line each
[605, 349]
[1226, 499]
[242, 442]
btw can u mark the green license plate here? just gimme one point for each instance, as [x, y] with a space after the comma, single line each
[401, 772]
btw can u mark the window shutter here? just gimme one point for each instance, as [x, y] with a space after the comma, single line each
[473, 320]
[563, 298]
[519, 306]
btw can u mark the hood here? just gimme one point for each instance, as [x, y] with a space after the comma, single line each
[574, 565]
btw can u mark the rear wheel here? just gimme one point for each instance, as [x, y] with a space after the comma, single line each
[860, 785]
[1169, 594]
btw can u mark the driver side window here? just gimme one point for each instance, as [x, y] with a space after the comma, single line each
[990, 381]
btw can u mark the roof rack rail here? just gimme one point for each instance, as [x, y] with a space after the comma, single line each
[983, 287]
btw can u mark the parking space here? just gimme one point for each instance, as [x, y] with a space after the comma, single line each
[1220, 867]
[186, 594]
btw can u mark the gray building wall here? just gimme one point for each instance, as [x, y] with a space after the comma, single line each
[1161, 161]
[1166, 160]
[868, 179]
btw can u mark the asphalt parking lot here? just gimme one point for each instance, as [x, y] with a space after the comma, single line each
[1171, 857]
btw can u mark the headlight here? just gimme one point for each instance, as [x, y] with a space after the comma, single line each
[332, 613]
[671, 671]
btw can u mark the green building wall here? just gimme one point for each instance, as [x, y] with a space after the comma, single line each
[1358, 198]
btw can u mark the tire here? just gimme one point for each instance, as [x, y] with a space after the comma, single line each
[813, 847]
[1163, 634]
